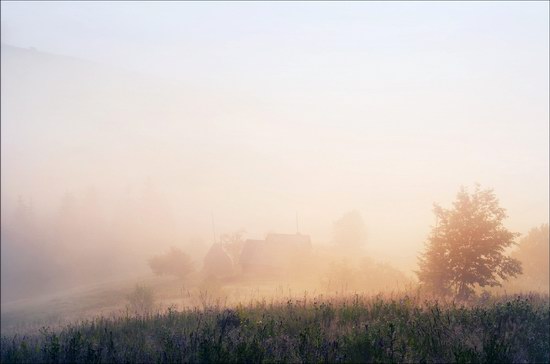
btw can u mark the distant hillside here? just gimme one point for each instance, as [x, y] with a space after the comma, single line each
[68, 124]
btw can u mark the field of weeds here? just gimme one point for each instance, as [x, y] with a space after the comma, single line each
[354, 329]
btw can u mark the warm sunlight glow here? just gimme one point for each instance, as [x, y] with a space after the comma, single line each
[267, 149]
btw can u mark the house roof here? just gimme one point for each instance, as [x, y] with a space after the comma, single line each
[275, 250]
[294, 239]
[217, 260]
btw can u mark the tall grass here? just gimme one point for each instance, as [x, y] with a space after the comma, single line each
[353, 329]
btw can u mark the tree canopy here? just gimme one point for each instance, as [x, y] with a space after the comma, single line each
[533, 252]
[349, 232]
[233, 244]
[467, 246]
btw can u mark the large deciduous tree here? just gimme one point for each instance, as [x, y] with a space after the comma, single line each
[467, 246]
[349, 232]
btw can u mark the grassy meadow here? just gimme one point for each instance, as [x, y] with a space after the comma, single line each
[354, 328]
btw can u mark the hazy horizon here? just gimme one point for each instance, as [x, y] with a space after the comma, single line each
[256, 112]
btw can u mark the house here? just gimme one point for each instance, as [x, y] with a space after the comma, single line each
[217, 262]
[275, 255]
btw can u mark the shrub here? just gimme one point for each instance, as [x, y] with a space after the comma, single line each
[141, 300]
[175, 262]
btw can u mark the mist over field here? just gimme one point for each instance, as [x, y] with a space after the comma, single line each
[209, 152]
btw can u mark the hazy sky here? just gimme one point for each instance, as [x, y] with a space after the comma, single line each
[381, 107]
